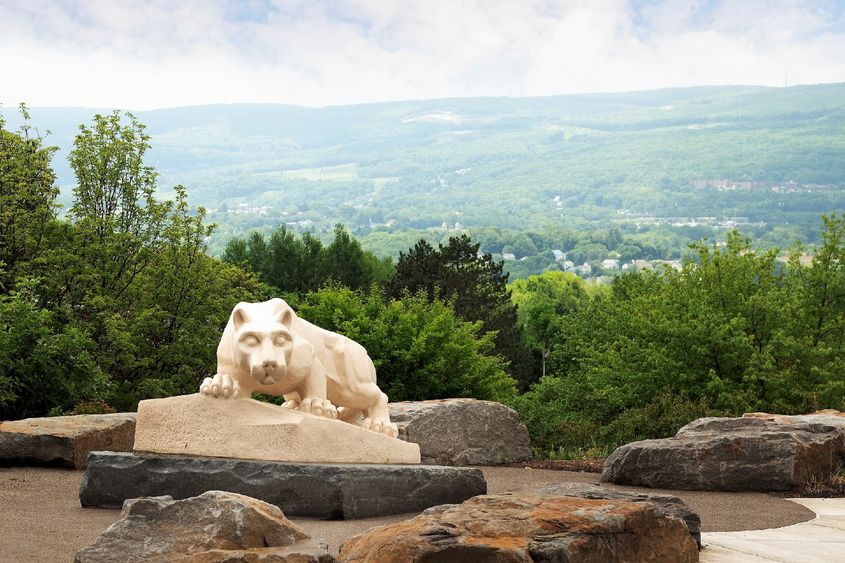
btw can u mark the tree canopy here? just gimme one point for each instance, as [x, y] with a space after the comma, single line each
[476, 286]
[297, 264]
[734, 331]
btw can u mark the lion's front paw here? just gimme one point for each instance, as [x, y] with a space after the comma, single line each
[380, 426]
[292, 404]
[221, 386]
[318, 406]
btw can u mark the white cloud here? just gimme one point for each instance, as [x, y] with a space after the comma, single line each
[158, 53]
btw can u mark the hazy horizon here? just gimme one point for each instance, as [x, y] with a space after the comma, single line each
[411, 100]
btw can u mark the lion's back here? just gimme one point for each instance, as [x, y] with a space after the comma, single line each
[346, 360]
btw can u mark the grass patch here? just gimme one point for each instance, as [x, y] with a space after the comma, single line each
[831, 486]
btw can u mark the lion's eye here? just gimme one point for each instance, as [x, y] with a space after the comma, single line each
[281, 340]
[251, 341]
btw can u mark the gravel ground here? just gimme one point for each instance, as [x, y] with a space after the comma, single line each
[41, 520]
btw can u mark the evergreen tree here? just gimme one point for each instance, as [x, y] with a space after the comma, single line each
[475, 284]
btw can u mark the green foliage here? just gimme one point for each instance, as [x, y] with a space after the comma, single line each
[476, 286]
[27, 195]
[119, 224]
[543, 303]
[420, 348]
[294, 264]
[734, 331]
[43, 364]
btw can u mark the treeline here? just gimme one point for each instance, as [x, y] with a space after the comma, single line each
[735, 331]
[534, 250]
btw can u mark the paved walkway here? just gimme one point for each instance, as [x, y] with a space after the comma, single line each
[819, 540]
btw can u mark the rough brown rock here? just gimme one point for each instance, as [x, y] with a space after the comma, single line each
[64, 440]
[214, 527]
[731, 454]
[829, 417]
[668, 504]
[529, 526]
[462, 431]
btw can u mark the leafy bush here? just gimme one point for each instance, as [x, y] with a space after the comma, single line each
[43, 365]
[420, 348]
[734, 331]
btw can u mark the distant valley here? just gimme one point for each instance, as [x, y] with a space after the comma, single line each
[658, 168]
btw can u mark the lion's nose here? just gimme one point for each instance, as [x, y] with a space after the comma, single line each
[270, 364]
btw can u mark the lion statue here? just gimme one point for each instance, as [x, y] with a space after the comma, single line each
[267, 348]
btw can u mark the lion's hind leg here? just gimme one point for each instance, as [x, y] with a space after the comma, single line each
[377, 416]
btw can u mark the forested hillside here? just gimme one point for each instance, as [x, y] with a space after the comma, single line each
[664, 167]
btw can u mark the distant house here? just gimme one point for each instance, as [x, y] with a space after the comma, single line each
[675, 264]
[584, 269]
[568, 265]
[610, 264]
[559, 256]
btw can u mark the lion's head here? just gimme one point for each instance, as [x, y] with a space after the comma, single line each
[263, 340]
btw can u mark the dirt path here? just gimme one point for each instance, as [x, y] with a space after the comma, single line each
[41, 520]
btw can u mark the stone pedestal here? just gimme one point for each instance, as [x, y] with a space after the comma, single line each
[248, 429]
[329, 491]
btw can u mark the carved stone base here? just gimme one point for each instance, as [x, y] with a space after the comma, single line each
[248, 429]
[329, 491]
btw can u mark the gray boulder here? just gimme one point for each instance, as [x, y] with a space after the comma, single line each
[64, 440]
[214, 527]
[317, 490]
[462, 431]
[730, 454]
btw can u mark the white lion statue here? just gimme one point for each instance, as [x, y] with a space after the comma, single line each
[267, 348]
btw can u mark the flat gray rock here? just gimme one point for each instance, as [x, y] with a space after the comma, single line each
[214, 527]
[64, 440]
[330, 491]
[462, 431]
[731, 454]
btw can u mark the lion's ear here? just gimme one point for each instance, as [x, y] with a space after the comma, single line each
[286, 317]
[239, 317]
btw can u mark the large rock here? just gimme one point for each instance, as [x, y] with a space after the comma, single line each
[317, 490]
[828, 417]
[248, 429]
[668, 504]
[462, 431]
[215, 526]
[535, 525]
[730, 454]
[64, 440]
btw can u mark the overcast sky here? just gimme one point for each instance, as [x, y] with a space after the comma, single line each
[136, 54]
